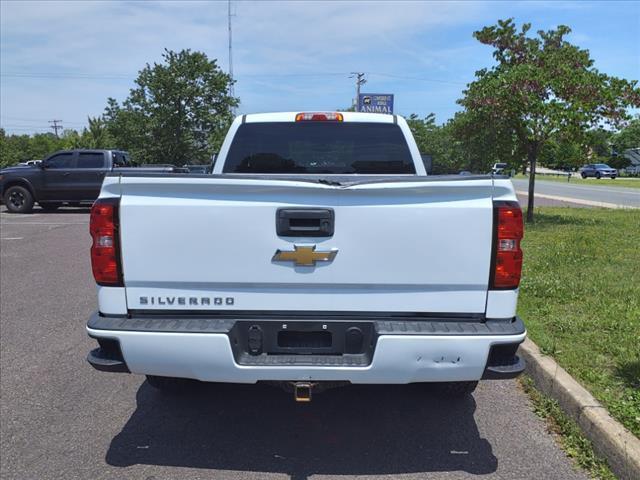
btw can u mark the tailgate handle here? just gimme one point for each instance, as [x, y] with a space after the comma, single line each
[305, 222]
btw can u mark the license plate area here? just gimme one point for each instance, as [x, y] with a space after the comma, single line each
[302, 338]
[292, 339]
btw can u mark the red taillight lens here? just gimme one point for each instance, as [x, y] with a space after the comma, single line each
[507, 261]
[319, 117]
[105, 254]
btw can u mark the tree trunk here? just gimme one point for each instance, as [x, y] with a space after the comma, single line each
[532, 156]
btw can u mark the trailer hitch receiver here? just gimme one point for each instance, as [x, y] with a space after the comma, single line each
[302, 391]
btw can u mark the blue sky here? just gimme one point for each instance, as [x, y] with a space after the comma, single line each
[63, 59]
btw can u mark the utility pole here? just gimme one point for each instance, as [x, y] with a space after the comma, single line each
[55, 126]
[231, 89]
[360, 80]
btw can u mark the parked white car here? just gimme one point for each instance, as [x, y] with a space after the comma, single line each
[499, 168]
[30, 163]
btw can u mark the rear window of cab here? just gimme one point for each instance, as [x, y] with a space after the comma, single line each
[320, 148]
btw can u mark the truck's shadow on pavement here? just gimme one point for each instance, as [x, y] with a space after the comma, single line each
[355, 430]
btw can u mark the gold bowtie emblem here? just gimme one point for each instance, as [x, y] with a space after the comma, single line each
[304, 256]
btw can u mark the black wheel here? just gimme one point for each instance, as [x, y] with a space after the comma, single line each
[583, 175]
[18, 199]
[50, 206]
[454, 389]
[170, 384]
[613, 177]
[598, 175]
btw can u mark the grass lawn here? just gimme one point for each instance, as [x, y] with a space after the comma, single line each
[631, 182]
[580, 300]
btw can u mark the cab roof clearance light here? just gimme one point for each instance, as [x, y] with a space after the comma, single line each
[319, 117]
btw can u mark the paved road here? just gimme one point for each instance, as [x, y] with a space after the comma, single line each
[545, 202]
[622, 196]
[61, 419]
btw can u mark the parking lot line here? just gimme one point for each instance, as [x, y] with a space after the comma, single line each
[42, 223]
[17, 215]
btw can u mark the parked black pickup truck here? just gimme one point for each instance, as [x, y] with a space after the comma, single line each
[69, 176]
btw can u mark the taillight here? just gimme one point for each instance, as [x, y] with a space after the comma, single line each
[105, 249]
[319, 117]
[507, 259]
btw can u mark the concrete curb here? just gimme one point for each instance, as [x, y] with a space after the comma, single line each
[610, 439]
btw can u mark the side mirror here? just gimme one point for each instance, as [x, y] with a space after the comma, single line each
[427, 160]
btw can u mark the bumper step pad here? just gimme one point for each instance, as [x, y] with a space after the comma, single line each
[304, 360]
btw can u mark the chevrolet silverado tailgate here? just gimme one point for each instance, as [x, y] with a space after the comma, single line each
[208, 243]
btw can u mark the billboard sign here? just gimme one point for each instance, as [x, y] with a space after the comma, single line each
[375, 103]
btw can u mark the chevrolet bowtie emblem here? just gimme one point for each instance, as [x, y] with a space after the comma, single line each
[304, 256]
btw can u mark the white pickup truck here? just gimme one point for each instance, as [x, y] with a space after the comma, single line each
[318, 252]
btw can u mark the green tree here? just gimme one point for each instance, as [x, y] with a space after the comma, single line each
[598, 142]
[465, 142]
[20, 148]
[628, 137]
[97, 135]
[429, 138]
[437, 141]
[544, 85]
[72, 139]
[177, 113]
[8, 150]
[559, 154]
[625, 139]
[485, 140]
[424, 131]
[43, 144]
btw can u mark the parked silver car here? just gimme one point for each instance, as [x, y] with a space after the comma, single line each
[598, 170]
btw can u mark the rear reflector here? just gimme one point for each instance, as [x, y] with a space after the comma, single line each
[105, 254]
[319, 117]
[507, 260]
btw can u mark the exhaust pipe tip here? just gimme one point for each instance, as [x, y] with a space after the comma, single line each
[302, 391]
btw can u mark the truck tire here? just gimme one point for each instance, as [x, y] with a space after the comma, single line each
[170, 384]
[18, 199]
[50, 206]
[454, 389]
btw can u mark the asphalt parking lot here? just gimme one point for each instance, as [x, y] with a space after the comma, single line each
[62, 419]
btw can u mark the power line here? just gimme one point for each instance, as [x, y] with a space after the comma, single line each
[65, 75]
[319, 74]
[100, 76]
[24, 128]
[25, 119]
[422, 79]
[37, 120]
